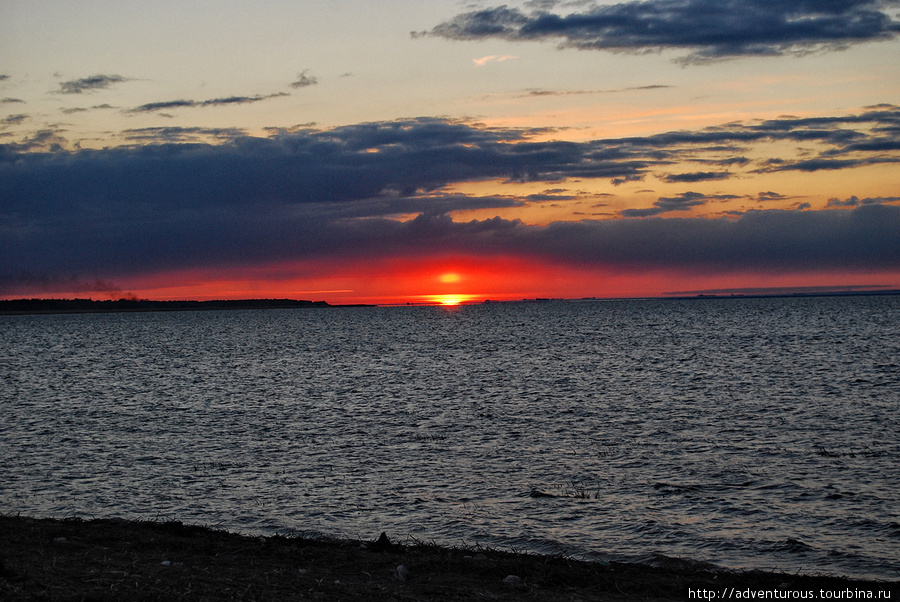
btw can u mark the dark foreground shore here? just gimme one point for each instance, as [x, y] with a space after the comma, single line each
[75, 560]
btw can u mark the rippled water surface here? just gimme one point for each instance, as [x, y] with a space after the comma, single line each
[744, 432]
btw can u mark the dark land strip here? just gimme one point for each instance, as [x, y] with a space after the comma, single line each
[111, 559]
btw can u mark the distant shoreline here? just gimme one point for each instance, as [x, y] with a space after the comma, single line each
[81, 306]
[71, 306]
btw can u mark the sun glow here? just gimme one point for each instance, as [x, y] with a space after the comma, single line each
[450, 300]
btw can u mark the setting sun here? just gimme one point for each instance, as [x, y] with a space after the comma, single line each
[451, 299]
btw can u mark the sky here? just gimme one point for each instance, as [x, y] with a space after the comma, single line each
[437, 151]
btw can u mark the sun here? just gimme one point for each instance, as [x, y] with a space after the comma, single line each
[449, 300]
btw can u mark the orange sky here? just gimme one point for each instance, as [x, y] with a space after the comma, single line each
[465, 280]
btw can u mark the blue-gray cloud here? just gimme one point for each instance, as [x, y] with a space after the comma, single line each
[94, 82]
[696, 176]
[71, 110]
[682, 202]
[188, 104]
[855, 201]
[303, 80]
[14, 119]
[161, 135]
[769, 196]
[542, 92]
[46, 140]
[192, 197]
[707, 29]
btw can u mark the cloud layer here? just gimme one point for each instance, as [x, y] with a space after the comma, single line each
[332, 194]
[708, 29]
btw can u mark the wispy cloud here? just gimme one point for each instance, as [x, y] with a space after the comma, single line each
[542, 92]
[707, 29]
[769, 196]
[188, 104]
[303, 80]
[168, 135]
[14, 119]
[94, 82]
[682, 202]
[493, 58]
[696, 176]
[71, 110]
[42, 141]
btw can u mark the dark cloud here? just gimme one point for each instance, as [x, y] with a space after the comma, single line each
[48, 140]
[193, 198]
[8, 100]
[165, 135]
[697, 176]
[161, 106]
[552, 194]
[69, 111]
[304, 80]
[395, 205]
[854, 201]
[14, 119]
[764, 241]
[94, 82]
[732, 161]
[3, 77]
[187, 104]
[47, 284]
[708, 29]
[824, 164]
[424, 154]
[682, 202]
[769, 196]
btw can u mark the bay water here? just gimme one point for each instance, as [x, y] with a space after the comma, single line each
[745, 432]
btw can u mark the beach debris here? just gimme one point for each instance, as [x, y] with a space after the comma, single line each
[384, 544]
[401, 573]
[60, 540]
[513, 581]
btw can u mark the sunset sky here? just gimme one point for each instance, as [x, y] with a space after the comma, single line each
[441, 151]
